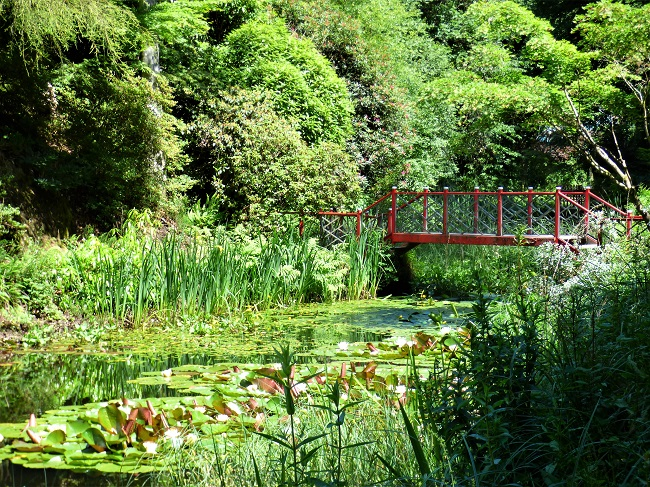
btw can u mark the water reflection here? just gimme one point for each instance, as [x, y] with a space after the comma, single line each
[37, 382]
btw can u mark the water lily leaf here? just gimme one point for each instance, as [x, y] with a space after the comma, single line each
[10, 430]
[64, 447]
[198, 418]
[22, 446]
[54, 438]
[95, 439]
[112, 418]
[122, 468]
[215, 429]
[451, 342]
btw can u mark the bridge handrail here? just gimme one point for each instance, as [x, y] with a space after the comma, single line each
[617, 210]
[380, 200]
[539, 213]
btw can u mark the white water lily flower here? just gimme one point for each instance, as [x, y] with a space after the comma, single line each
[400, 342]
[2, 438]
[174, 437]
[445, 329]
[166, 373]
[400, 389]
[172, 433]
[343, 345]
[150, 447]
[222, 418]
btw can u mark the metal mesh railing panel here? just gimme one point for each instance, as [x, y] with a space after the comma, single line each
[460, 214]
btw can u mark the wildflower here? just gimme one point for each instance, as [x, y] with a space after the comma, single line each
[343, 346]
[166, 373]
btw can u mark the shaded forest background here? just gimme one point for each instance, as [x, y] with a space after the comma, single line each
[257, 106]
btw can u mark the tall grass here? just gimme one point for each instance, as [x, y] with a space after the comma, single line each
[135, 275]
[553, 389]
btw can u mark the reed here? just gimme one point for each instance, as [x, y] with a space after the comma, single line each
[134, 275]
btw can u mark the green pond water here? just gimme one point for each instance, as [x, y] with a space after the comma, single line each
[129, 364]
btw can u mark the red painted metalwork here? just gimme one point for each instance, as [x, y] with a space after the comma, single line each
[569, 218]
[529, 211]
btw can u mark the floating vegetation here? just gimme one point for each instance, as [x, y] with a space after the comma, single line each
[223, 402]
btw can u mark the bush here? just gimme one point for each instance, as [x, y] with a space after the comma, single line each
[305, 87]
[258, 164]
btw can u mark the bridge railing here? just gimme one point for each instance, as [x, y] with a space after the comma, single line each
[487, 217]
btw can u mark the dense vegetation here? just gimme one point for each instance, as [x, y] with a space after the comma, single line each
[294, 105]
[154, 156]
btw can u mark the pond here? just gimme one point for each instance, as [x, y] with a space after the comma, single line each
[129, 364]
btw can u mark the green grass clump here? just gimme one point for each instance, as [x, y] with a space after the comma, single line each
[142, 273]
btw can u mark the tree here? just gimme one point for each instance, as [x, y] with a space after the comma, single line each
[83, 132]
[593, 100]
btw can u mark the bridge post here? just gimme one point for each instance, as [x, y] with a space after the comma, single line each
[476, 193]
[587, 202]
[529, 210]
[445, 207]
[392, 213]
[556, 231]
[425, 211]
[500, 211]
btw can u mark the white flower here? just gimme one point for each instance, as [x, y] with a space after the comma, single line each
[445, 329]
[150, 447]
[222, 418]
[166, 373]
[400, 342]
[400, 389]
[343, 345]
[191, 438]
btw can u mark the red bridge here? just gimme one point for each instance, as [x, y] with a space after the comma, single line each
[571, 218]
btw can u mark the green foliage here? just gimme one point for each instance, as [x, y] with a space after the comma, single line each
[459, 271]
[265, 56]
[54, 30]
[259, 164]
[84, 134]
[381, 50]
[100, 164]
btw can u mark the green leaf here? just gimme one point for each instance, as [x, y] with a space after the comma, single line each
[112, 419]
[55, 437]
[77, 427]
[420, 457]
[95, 438]
[279, 441]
